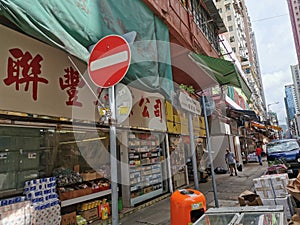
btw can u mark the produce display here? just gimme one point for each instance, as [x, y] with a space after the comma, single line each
[66, 176]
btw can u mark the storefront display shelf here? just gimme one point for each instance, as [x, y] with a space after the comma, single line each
[132, 183]
[145, 169]
[146, 196]
[150, 163]
[85, 198]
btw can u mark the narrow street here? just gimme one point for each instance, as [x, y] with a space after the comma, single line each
[110, 107]
[228, 190]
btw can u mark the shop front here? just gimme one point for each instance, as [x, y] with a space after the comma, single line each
[53, 133]
[144, 151]
[53, 155]
[180, 147]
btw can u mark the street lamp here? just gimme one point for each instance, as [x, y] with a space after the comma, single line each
[273, 103]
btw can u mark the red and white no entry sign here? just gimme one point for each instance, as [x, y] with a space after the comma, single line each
[109, 61]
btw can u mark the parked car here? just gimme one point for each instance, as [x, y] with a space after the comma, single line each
[286, 150]
[252, 157]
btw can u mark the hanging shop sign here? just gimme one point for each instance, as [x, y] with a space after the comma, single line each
[189, 103]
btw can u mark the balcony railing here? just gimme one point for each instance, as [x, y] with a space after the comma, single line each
[204, 21]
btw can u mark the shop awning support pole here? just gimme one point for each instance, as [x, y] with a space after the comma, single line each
[113, 158]
[194, 160]
[169, 164]
[209, 152]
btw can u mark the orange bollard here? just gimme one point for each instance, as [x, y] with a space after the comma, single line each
[187, 206]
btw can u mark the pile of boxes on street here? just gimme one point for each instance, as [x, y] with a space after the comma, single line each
[275, 189]
[272, 189]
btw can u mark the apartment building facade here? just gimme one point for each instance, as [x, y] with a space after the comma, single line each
[242, 41]
[294, 11]
[296, 80]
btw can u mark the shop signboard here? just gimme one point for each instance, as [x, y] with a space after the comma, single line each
[189, 103]
[62, 86]
[148, 111]
[34, 77]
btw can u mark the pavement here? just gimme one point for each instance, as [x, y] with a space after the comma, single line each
[228, 188]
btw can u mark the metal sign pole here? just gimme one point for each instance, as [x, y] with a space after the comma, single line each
[194, 160]
[191, 106]
[210, 153]
[113, 158]
[169, 164]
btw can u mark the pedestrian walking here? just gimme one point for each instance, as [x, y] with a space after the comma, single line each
[258, 153]
[230, 161]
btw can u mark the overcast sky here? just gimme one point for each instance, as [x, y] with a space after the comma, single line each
[276, 50]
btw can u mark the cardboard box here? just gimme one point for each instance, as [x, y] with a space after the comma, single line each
[271, 186]
[90, 214]
[88, 176]
[176, 118]
[169, 111]
[295, 220]
[297, 211]
[69, 219]
[170, 126]
[74, 194]
[293, 188]
[279, 183]
[287, 205]
[263, 187]
[17, 213]
[286, 202]
[248, 198]
[184, 129]
[270, 202]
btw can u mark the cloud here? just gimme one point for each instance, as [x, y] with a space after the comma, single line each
[274, 84]
[276, 50]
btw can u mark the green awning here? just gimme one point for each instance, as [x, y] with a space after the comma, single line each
[225, 72]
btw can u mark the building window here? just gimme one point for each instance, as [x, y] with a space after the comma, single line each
[220, 10]
[230, 28]
[231, 39]
[233, 49]
[228, 18]
[227, 7]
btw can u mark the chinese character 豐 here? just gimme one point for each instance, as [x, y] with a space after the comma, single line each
[71, 82]
[24, 69]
